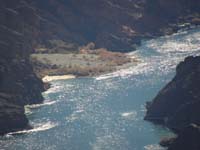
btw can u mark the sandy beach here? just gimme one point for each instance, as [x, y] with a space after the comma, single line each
[61, 77]
[56, 66]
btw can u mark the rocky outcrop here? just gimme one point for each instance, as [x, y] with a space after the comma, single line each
[181, 95]
[12, 116]
[18, 83]
[187, 139]
[177, 105]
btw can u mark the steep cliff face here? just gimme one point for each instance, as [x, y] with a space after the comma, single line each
[108, 24]
[12, 116]
[115, 25]
[18, 83]
[177, 105]
[188, 139]
[181, 95]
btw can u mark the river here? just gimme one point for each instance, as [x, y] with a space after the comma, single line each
[106, 112]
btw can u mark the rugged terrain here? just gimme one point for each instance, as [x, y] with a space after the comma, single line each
[112, 24]
[18, 83]
[60, 26]
[182, 96]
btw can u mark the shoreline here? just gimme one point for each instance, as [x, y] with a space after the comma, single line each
[91, 63]
[47, 78]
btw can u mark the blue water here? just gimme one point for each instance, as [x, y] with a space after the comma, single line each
[106, 112]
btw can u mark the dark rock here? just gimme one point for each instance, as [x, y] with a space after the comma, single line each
[113, 24]
[12, 117]
[185, 115]
[177, 106]
[181, 95]
[188, 139]
[166, 142]
[19, 85]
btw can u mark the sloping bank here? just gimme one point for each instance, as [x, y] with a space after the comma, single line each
[177, 106]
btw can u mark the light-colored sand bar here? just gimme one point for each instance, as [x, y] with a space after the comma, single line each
[61, 77]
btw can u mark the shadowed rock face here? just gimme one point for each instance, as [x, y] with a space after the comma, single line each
[187, 139]
[177, 106]
[12, 116]
[113, 24]
[18, 83]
